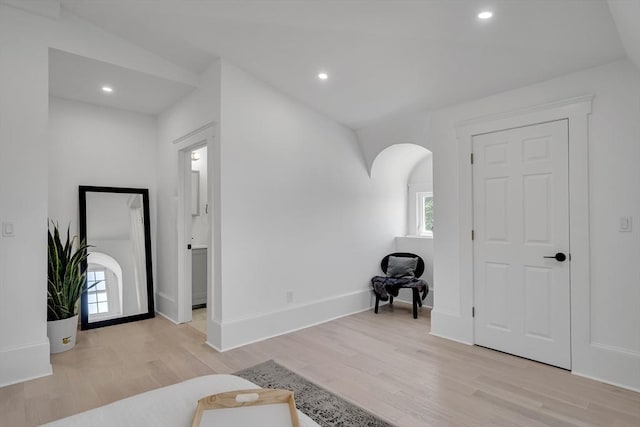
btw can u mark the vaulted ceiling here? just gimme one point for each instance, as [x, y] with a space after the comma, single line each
[384, 58]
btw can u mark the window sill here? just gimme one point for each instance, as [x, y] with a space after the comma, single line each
[426, 236]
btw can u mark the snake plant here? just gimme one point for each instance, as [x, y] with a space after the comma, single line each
[67, 280]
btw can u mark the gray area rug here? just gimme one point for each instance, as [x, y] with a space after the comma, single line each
[322, 406]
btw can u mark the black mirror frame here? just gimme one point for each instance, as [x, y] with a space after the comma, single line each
[84, 315]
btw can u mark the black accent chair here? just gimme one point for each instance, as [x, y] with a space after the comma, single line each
[417, 300]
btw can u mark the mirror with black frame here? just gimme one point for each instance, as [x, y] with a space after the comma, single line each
[115, 223]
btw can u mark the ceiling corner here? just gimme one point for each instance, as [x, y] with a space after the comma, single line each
[625, 14]
[46, 8]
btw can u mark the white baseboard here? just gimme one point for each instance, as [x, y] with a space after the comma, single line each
[450, 339]
[452, 326]
[608, 364]
[214, 335]
[166, 306]
[24, 363]
[603, 380]
[167, 317]
[240, 332]
[410, 302]
[403, 300]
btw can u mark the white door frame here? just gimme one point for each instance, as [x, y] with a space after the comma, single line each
[201, 137]
[576, 110]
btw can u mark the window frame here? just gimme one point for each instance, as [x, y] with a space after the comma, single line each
[420, 216]
[95, 290]
[416, 194]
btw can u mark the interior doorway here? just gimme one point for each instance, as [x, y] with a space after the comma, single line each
[200, 237]
[409, 168]
[194, 225]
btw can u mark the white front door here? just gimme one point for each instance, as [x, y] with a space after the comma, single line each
[520, 219]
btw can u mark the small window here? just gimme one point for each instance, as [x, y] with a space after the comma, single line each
[424, 205]
[97, 292]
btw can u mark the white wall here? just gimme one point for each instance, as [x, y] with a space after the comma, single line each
[299, 214]
[422, 173]
[296, 209]
[613, 352]
[421, 179]
[106, 147]
[409, 129]
[97, 146]
[24, 347]
[199, 108]
[24, 43]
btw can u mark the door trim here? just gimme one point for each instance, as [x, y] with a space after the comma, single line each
[201, 137]
[576, 111]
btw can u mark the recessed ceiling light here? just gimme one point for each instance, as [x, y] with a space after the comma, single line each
[323, 76]
[485, 14]
[107, 89]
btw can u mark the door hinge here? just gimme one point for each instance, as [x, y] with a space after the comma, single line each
[473, 312]
[473, 235]
[471, 158]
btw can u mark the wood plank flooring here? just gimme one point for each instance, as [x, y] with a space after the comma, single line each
[386, 363]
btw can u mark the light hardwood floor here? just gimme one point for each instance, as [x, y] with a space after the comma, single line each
[386, 363]
[199, 319]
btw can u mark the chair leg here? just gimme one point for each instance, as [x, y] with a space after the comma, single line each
[377, 302]
[390, 299]
[416, 298]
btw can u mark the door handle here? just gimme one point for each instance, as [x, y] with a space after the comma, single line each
[560, 257]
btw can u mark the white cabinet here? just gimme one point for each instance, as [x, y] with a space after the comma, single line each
[199, 276]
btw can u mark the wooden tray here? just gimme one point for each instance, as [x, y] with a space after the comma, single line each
[247, 408]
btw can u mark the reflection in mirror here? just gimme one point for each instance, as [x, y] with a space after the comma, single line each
[115, 223]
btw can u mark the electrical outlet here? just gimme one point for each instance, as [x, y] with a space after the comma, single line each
[625, 223]
[8, 229]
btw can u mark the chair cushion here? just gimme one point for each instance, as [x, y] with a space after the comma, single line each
[401, 266]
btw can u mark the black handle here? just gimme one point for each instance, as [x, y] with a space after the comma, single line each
[558, 257]
[189, 246]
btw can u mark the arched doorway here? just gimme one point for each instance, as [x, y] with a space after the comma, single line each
[413, 164]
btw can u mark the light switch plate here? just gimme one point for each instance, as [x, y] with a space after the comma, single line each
[625, 224]
[7, 229]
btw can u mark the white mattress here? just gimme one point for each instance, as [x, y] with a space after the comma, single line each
[171, 406]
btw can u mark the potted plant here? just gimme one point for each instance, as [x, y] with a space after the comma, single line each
[67, 281]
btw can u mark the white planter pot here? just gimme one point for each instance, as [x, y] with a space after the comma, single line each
[62, 334]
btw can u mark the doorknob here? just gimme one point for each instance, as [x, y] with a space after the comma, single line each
[558, 257]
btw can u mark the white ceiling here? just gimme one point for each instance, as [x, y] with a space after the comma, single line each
[626, 14]
[80, 78]
[384, 57]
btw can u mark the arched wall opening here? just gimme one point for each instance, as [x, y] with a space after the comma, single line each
[409, 167]
[98, 261]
